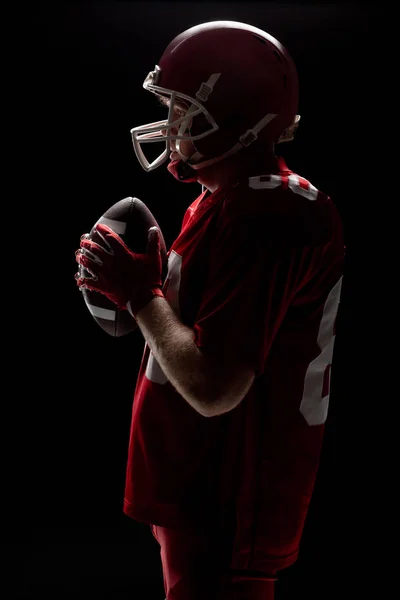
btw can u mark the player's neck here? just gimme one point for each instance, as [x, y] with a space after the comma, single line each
[225, 173]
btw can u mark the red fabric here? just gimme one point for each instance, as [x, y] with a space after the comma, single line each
[130, 280]
[197, 567]
[252, 272]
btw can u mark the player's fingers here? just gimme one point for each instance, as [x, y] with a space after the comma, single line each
[93, 250]
[84, 284]
[89, 254]
[104, 236]
[80, 281]
[105, 230]
[111, 240]
[89, 264]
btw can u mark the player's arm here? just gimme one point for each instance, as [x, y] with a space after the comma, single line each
[212, 386]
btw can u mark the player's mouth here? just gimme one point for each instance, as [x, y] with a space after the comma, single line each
[174, 156]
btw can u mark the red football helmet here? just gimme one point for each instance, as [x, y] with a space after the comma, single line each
[239, 84]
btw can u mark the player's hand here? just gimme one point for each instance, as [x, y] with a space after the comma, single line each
[114, 270]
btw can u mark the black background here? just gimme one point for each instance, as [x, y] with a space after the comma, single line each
[84, 64]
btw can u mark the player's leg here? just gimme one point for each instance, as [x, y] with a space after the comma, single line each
[198, 567]
[190, 564]
[246, 585]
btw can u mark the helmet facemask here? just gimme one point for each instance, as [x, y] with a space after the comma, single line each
[154, 132]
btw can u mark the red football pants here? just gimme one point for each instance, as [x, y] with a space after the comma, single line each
[197, 568]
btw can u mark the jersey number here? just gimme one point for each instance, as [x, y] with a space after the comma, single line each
[315, 401]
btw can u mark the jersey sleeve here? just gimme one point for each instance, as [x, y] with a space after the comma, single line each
[253, 274]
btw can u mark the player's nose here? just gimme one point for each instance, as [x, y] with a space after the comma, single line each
[173, 131]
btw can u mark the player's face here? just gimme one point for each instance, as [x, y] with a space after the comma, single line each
[214, 176]
[186, 147]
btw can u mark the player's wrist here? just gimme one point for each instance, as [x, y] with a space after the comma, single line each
[136, 304]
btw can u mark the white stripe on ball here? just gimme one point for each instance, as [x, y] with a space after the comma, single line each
[102, 313]
[118, 227]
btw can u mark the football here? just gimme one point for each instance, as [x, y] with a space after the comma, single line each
[130, 219]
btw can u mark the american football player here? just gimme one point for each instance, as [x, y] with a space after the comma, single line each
[233, 390]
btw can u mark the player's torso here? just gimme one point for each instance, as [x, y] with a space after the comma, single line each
[284, 207]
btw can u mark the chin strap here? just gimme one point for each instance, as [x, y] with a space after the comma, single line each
[185, 170]
[245, 140]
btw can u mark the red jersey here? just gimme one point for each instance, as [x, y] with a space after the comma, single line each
[258, 268]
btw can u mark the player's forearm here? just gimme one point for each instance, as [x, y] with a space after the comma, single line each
[173, 346]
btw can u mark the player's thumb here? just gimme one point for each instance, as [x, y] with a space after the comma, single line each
[153, 240]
